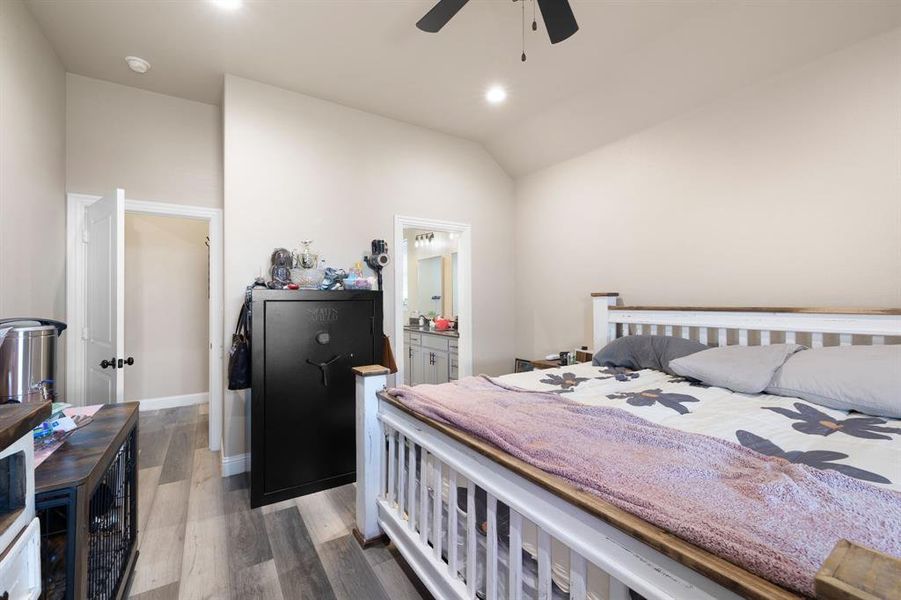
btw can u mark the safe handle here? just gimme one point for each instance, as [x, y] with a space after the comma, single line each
[323, 366]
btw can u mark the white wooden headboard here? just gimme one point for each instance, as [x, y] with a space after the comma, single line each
[723, 325]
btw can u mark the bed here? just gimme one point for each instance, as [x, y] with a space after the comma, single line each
[416, 476]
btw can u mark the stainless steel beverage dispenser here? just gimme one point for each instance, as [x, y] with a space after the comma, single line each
[28, 359]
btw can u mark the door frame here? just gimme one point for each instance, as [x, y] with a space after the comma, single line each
[75, 297]
[464, 260]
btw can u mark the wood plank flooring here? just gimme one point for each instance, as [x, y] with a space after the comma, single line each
[199, 540]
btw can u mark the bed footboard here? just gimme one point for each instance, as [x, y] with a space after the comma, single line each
[467, 523]
[370, 380]
[853, 572]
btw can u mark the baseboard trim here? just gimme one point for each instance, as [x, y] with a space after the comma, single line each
[233, 465]
[364, 543]
[174, 401]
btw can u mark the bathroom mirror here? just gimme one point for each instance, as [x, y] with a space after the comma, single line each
[430, 283]
[430, 273]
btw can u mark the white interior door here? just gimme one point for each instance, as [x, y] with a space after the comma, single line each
[104, 236]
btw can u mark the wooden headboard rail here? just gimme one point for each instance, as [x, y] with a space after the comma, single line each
[703, 322]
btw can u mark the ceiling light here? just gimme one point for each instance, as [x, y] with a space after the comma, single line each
[137, 64]
[496, 94]
[228, 4]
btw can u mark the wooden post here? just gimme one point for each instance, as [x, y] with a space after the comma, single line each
[601, 303]
[853, 572]
[370, 439]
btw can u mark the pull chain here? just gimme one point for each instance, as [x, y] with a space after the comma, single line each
[522, 4]
[534, 22]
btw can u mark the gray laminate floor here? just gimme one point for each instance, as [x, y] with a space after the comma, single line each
[199, 539]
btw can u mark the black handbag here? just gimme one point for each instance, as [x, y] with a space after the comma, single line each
[239, 354]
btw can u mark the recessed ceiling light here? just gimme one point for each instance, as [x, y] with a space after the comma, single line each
[228, 4]
[137, 64]
[496, 94]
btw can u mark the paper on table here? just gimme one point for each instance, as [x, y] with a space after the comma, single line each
[82, 415]
[87, 411]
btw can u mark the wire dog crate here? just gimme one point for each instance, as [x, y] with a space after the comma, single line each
[87, 502]
[112, 519]
[57, 515]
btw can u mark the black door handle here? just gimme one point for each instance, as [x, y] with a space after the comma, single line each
[130, 361]
[103, 365]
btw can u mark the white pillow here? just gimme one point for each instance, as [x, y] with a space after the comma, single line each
[746, 369]
[862, 378]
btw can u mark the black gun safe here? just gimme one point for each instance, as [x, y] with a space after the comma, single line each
[304, 344]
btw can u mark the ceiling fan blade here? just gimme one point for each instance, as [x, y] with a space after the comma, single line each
[558, 19]
[440, 14]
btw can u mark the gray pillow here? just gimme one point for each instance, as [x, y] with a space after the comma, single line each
[638, 352]
[746, 369]
[862, 378]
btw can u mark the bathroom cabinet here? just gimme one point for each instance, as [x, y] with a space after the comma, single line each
[431, 356]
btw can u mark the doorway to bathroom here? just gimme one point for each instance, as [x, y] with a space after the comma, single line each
[433, 337]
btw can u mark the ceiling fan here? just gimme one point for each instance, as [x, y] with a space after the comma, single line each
[557, 14]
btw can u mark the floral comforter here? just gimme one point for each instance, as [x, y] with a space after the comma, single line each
[857, 445]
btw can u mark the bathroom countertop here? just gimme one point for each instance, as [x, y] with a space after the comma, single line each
[417, 329]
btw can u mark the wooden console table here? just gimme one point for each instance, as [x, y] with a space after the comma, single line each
[89, 489]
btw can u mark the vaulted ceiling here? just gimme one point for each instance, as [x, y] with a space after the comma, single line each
[633, 63]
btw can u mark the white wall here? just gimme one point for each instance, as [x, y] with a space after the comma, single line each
[787, 193]
[301, 168]
[156, 147]
[166, 306]
[32, 170]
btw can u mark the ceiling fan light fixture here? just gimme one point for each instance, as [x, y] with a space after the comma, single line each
[496, 94]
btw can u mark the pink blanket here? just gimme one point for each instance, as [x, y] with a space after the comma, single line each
[773, 518]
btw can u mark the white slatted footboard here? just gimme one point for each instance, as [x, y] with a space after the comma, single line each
[439, 502]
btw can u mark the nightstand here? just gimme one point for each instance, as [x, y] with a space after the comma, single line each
[543, 363]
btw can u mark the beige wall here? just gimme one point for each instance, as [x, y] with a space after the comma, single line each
[166, 306]
[32, 170]
[787, 193]
[301, 168]
[156, 147]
